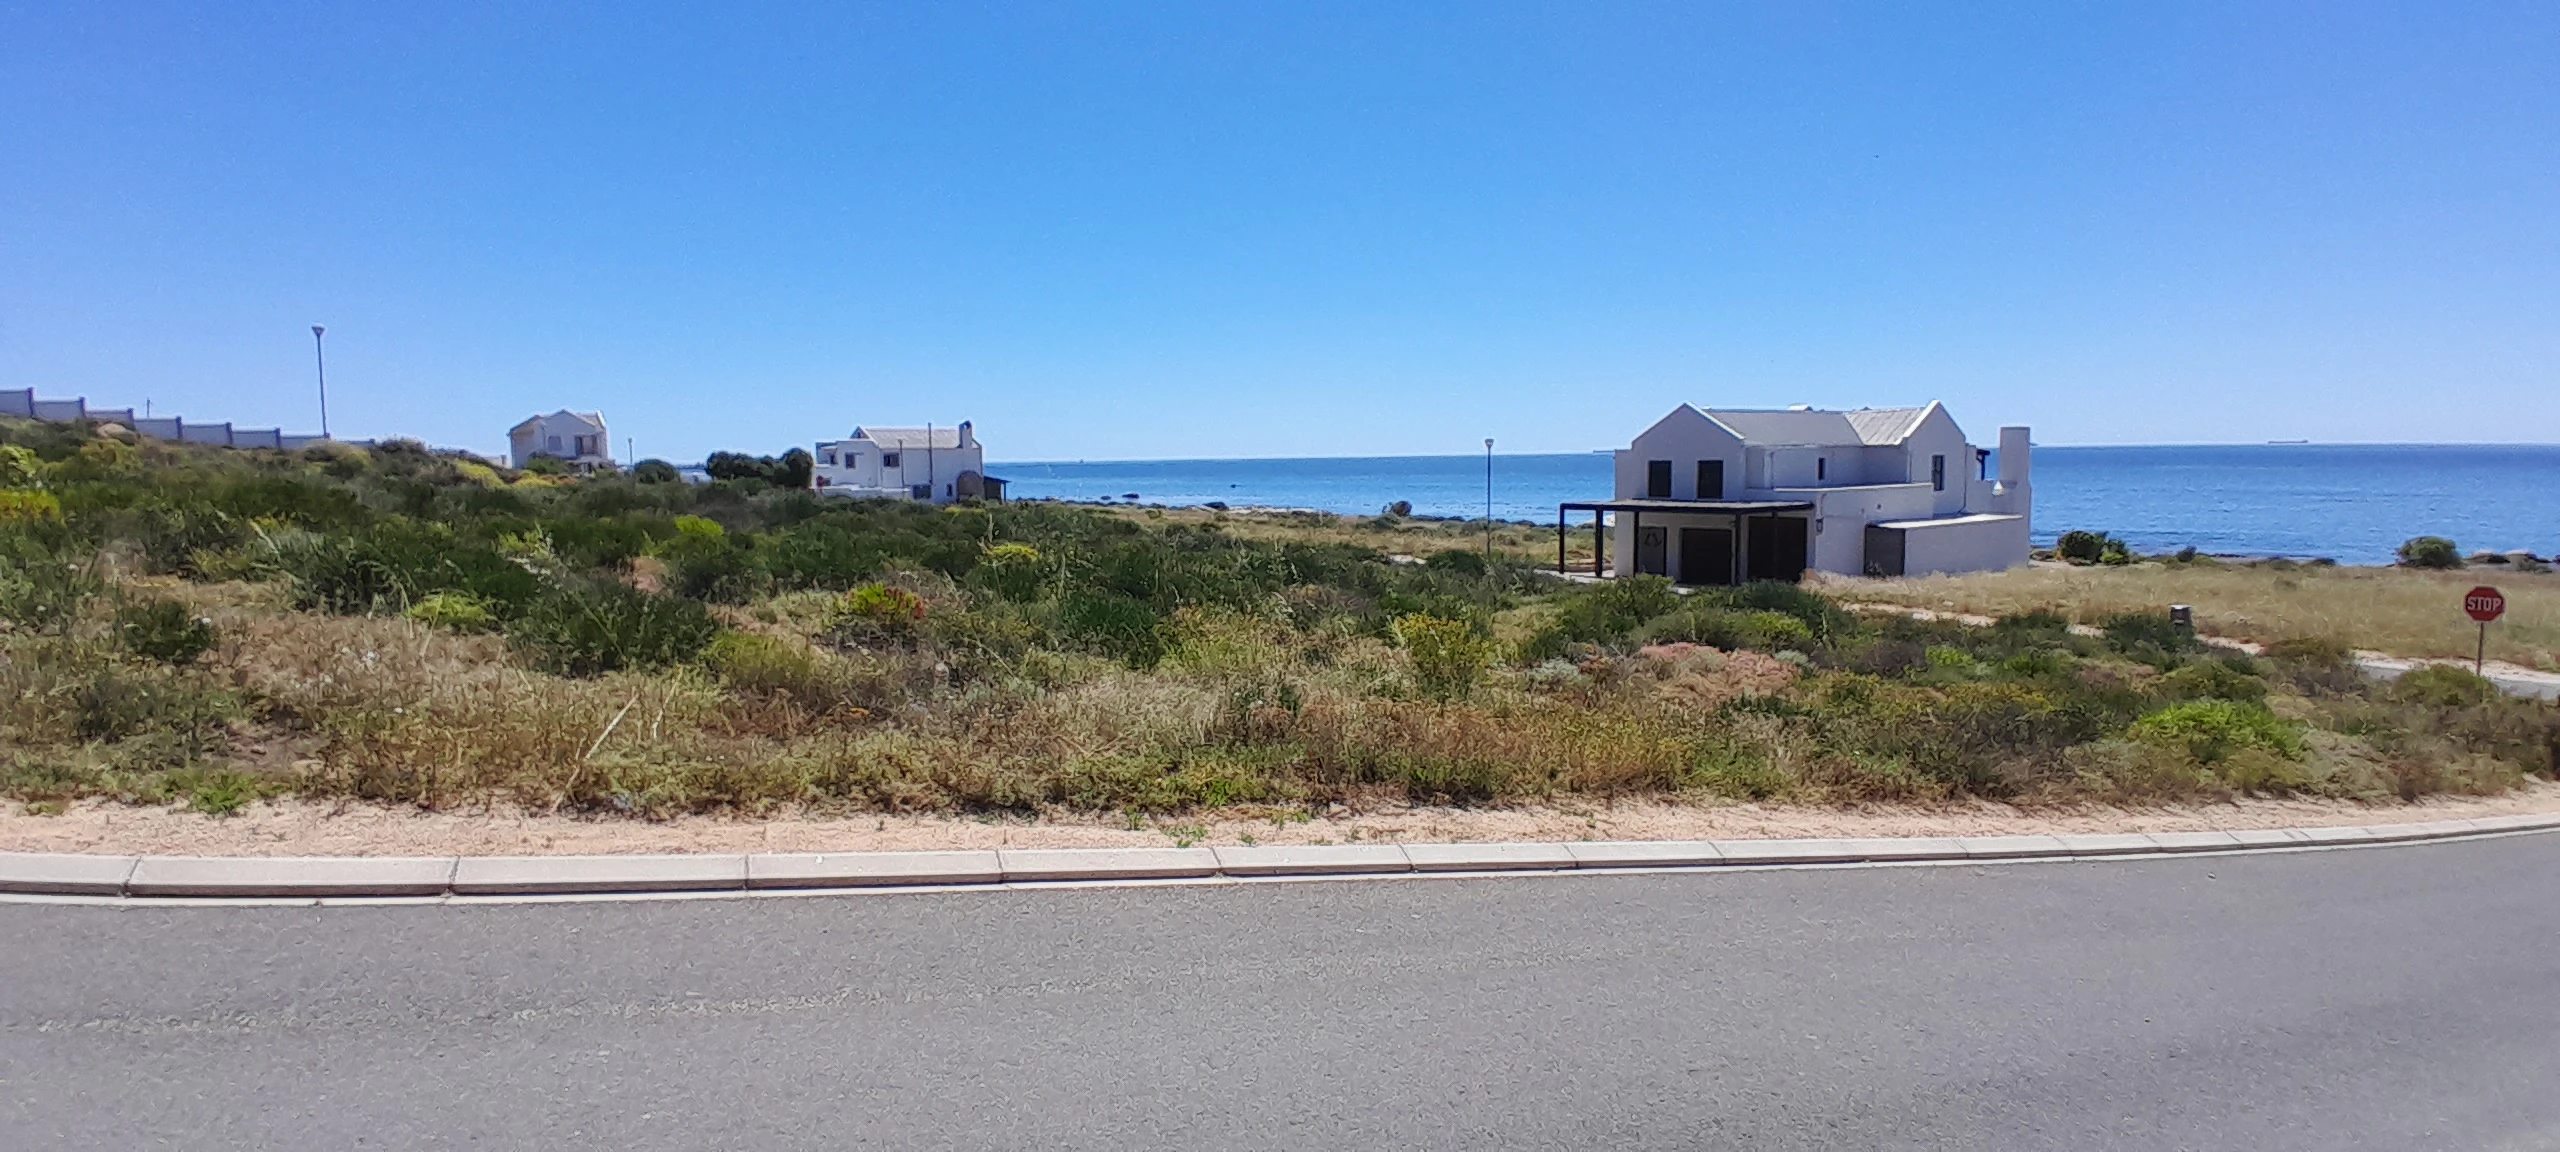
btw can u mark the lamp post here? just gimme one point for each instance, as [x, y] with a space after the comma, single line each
[320, 359]
[1488, 497]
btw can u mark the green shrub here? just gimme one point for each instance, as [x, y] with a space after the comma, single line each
[753, 662]
[2429, 552]
[2443, 686]
[655, 472]
[1607, 612]
[163, 630]
[2213, 680]
[118, 701]
[453, 611]
[28, 506]
[877, 613]
[587, 627]
[2146, 634]
[2081, 546]
[2212, 730]
[40, 587]
[1448, 657]
[1014, 571]
[1121, 627]
[1462, 561]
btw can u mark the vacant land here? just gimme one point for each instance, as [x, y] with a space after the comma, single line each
[399, 628]
[2402, 611]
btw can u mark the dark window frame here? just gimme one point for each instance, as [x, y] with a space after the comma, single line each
[1710, 469]
[888, 459]
[1657, 479]
[1937, 473]
[1821, 468]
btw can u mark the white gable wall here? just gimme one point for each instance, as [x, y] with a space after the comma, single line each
[1938, 436]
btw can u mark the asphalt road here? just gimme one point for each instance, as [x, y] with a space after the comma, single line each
[2401, 998]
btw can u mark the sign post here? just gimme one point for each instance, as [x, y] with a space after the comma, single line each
[2483, 604]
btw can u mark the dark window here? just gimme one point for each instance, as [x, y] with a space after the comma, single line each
[1821, 467]
[1710, 479]
[921, 491]
[1938, 473]
[1657, 479]
[888, 459]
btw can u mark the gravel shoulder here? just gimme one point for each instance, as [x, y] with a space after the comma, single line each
[294, 828]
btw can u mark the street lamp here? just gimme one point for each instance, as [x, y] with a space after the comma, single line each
[320, 358]
[1488, 497]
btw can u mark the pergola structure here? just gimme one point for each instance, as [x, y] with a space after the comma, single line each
[1741, 511]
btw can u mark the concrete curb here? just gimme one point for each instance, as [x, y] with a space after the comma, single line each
[320, 877]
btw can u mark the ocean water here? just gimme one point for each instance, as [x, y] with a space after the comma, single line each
[2354, 503]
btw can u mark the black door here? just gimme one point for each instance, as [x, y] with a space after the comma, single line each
[1884, 550]
[1650, 559]
[1706, 556]
[1778, 547]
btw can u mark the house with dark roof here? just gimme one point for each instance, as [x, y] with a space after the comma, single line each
[1728, 495]
[933, 464]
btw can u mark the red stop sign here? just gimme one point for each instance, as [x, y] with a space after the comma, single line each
[2484, 603]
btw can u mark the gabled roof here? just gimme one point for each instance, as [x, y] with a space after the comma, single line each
[909, 437]
[592, 419]
[1775, 427]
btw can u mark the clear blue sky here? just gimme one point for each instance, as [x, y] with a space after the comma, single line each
[1220, 229]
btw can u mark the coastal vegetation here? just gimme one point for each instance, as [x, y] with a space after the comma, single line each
[396, 626]
[2402, 611]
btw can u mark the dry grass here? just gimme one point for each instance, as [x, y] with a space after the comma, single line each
[1399, 536]
[2400, 611]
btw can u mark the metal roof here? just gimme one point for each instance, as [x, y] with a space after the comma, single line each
[1818, 426]
[910, 437]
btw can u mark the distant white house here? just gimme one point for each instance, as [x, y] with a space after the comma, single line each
[1726, 495]
[577, 439]
[933, 464]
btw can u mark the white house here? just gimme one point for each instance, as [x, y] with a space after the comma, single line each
[1725, 495]
[934, 464]
[577, 439]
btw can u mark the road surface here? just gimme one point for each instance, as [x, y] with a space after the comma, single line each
[2397, 998]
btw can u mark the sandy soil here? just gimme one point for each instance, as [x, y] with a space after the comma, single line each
[297, 828]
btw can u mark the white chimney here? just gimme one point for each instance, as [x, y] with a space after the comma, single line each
[968, 439]
[2015, 457]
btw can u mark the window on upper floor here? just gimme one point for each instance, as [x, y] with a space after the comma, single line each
[888, 459]
[1821, 468]
[1710, 479]
[552, 442]
[1938, 473]
[1657, 479]
[829, 456]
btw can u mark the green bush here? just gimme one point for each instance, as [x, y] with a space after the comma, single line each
[41, 588]
[1465, 562]
[2146, 634]
[2213, 730]
[2081, 546]
[163, 630]
[655, 472]
[1607, 612]
[1014, 571]
[2429, 552]
[28, 506]
[1448, 657]
[453, 611]
[2213, 680]
[592, 626]
[753, 662]
[2443, 686]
